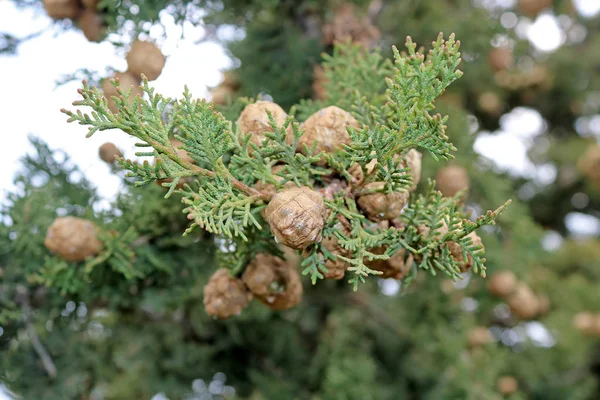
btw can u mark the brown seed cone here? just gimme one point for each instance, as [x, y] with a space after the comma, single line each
[589, 164]
[458, 255]
[543, 304]
[255, 121]
[395, 267]
[507, 385]
[185, 157]
[319, 82]
[346, 24]
[92, 4]
[231, 80]
[585, 322]
[220, 94]
[479, 336]
[60, 9]
[92, 26]
[327, 127]
[296, 217]
[413, 161]
[358, 175]
[380, 206]
[73, 239]
[225, 296]
[532, 8]
[127, 81]
[274, 281]
[177, 144]
[452, 179]
[145, 58]
[271, 188]
[108, 152]
[500, 58]
[336, 268]
[523, 302]
[503, 283]
[333, 188]
[491, 103]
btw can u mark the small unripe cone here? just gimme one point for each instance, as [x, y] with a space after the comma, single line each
[225, 296]
[59, 9]
[523, 302]
[255, 121]
[108, 152]
[73, 239]
[452, 179]
[501, 58]
[296, 217]
[503, 283]
[145, 58]
[92, 26]
[479, 336]
[127, 81]
[381, 206]
[328, 128]
[585, 322]
[532, 8]
[507, 385]
[274, 281]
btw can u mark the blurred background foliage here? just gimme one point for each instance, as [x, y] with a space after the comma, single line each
[66, 334]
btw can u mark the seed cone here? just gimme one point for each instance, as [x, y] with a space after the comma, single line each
[296, 217]
[92, 26]
[452, 179]
[108, 152]
[127, 81]
[145, 58]
[458, 255]
[255, 121]
[413, 161]
[479, 336]
[274, 281]
[507, 385]
[502, 283]
[348, 25]
[534, 7]
[381, 206]
[501, 58]
[225, 296]
[523, 302]
[328, 128]
[73, 239]
[60, 9]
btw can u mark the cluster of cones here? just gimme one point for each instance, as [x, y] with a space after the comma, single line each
[521, 299]
[83, 12]
[273, 281]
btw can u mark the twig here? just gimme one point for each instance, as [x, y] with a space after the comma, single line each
[37, 343]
